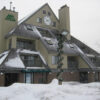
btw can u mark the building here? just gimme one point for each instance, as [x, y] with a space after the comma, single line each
[29, 49]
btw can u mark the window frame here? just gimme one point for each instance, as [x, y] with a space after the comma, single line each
[39, 20]
[31, 77]
[44, 11]
[54, 60]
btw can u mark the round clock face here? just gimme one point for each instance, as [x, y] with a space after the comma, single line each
[47, 20]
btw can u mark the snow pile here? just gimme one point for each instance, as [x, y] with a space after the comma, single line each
[53, 91]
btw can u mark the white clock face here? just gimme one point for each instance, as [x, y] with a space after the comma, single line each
[47, 20]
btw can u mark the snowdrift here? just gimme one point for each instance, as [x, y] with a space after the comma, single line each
[52, 91]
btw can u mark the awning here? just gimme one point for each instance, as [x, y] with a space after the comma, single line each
[35, 70]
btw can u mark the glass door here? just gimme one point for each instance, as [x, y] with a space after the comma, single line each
[28, 78]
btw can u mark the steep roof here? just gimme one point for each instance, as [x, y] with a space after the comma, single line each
[34, 12]
[24, 31]
[14, 61]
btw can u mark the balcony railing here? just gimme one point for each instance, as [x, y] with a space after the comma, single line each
[72, 65]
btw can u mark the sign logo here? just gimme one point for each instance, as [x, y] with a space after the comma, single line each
[10, 17]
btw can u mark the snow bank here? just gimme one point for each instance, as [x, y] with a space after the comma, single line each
[52, 91]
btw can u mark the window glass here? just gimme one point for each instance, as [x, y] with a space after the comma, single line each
[44, 11]
[39, 20]
[31, 60]
[96, 76]
[49, 42]
[72, 62]
[29, 28]
[54, 24]
[54, 59]
[10, 43]
[28, 78]
[25, 44]
[44, 32]
[49, 13]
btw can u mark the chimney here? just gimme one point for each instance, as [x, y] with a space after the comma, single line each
[64, 18]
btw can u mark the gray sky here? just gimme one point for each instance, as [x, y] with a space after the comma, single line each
[84, 16]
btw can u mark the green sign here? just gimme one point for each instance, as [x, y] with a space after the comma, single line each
[10, 17]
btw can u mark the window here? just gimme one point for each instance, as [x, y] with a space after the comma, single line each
[44, 32]
[28, 78]
[96, 76]
[44, 11]
[49, 13]
[39, 20]
[29, 27]
[49, 42]
[28, 60]
[72, 62]
[25, 44]
[54, 60]
[54, 24]
[10, 43]
[31, 60]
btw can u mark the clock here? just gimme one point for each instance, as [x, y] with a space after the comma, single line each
[47, 20]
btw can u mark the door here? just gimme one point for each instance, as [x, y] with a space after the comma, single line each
[10, 78]
[28, 78]
[83, 77]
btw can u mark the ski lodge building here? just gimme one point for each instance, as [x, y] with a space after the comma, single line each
[28, 49]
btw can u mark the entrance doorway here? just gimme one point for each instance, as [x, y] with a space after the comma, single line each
[83, 77]
[10, 78]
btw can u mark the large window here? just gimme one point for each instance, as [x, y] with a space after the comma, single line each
[54, 60]
[25, 44]
[31, 60]
[72, 62]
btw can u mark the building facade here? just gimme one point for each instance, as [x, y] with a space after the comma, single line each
[29, 49]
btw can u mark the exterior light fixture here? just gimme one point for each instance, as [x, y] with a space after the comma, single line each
[93, 72]
[1, 73]
[88, 72]
[72, 72]
[64, 33]
[61, 39]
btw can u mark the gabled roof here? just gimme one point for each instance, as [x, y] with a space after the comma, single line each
[34, 12]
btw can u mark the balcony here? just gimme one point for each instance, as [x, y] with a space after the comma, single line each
[25, 44]
[72, 65]
[31, 60]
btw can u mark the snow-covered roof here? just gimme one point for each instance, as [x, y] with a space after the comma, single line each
[32, 52]
[90, 55]
[84, 57]
[3, 56]
[14, 60]
[23, 31]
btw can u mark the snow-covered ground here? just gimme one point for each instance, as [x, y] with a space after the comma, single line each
[52, 91]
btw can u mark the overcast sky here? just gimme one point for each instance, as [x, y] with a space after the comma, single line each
[84, 16]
